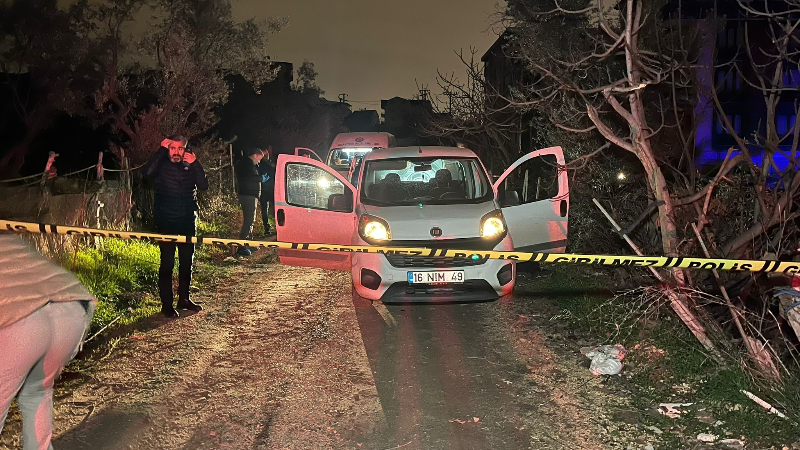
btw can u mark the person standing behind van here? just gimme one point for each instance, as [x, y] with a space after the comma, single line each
[267, 170]
[248, 182]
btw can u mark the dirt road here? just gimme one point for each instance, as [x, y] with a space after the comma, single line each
[286, 358]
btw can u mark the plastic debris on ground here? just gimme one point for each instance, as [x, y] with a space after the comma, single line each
[605, 358]
[706, 437]
[671, 409]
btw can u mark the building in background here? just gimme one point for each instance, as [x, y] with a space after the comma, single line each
[406, 118]
[363, 120]
[724, 64]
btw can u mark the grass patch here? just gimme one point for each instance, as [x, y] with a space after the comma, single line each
[665, 363]
[121, 274]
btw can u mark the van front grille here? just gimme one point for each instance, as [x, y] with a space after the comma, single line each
[432, 261]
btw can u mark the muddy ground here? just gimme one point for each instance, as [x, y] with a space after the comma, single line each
[288, 358]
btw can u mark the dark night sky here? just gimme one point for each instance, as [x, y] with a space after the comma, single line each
[376, 49]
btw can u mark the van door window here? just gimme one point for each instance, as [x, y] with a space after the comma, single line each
[534, 180]
[312, 187]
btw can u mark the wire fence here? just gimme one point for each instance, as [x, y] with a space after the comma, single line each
[40, 175]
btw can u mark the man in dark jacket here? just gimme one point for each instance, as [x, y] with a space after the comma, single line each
[178, 175]
[248, 182]
[267, 170]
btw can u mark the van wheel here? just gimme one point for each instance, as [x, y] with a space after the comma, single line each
[359, 300]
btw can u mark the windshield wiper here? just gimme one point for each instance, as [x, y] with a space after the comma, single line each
[385, 203]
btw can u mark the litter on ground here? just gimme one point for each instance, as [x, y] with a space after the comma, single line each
[671, 409]
[605, 358]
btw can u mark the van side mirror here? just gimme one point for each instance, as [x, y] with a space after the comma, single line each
[510, 198]
[338, 202]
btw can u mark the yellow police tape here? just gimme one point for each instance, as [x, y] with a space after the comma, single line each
[606, 260]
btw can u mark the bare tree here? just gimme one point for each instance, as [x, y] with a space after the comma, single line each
[601, 85]
[625, 73]
[470, 116]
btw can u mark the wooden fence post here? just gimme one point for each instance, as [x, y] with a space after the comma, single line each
[233, 169]
[48, 168]
[100, 171]
[126, 188]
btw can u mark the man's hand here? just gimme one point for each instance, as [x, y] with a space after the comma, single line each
[165, 143]
[189, 157]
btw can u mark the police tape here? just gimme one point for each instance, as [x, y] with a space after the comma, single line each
[789, 268]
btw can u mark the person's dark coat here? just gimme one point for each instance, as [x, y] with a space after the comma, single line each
[176, 186]
[267, 183]
[247, 178]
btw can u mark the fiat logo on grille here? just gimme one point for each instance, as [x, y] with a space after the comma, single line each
[436, 232]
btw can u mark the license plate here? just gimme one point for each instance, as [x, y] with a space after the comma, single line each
[436, 277]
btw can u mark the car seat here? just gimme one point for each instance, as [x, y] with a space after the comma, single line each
[445, 188]
[389, 189]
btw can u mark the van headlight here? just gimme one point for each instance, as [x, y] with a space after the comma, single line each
[492, 224]
[372, 228]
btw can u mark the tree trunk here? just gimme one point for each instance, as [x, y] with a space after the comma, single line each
[641, 147]
[678, 300]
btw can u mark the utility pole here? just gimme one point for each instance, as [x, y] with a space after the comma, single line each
[342, 98]
[449, 95]
[423, 93]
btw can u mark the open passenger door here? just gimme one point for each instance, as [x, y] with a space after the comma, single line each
[313, 205]
[307, 152]
[534, 198]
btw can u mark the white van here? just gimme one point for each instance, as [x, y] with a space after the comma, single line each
[346, 148]
[433, 197]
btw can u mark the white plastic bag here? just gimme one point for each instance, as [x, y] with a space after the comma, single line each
[605, 358]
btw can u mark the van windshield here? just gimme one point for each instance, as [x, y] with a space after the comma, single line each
[340, 158]
[412, 181]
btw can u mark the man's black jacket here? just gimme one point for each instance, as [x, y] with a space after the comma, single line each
[176, 186]
[247, 177]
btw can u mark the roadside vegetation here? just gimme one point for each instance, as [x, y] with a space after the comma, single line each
[123, 274]
[665, 364]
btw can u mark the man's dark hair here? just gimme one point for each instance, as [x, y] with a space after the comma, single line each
[178, 137]
[250, 151]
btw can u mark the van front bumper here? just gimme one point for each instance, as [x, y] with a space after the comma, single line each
[375, 277]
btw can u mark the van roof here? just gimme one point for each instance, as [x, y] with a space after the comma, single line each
[371, 140]
[417, 152]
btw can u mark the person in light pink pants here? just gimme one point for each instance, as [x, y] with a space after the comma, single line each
[44, 315]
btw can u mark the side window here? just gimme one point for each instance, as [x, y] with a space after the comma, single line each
[534, 180]
[311, 187]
